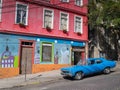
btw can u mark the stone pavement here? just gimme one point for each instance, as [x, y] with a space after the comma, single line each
[35, 78]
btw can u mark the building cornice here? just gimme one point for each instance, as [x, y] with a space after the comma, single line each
[6, 31]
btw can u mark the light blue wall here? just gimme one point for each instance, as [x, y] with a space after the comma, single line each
[62, 48]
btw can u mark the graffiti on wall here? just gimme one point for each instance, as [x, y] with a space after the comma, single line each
[7, 60]
[61, 54]
[37, 54]
[8, 52]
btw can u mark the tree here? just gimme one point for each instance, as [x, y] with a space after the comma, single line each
[104, 27]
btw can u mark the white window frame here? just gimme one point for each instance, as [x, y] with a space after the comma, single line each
[26, 13]
[1, 11]
[64, 0]
[80, 2]
[81, 28]
[47, 0]
[51, 19]
[67, 28]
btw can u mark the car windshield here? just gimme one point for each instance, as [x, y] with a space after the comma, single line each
[81, 62]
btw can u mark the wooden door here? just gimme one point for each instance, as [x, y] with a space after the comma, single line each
[26, 60]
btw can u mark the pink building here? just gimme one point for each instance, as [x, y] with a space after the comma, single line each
[41, 35]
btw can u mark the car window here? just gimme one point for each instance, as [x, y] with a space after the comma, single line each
[91, 62]
[98, 61]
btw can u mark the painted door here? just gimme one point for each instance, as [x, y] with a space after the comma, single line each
[26, 60]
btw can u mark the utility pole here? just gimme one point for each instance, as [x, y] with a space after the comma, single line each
[26, 66]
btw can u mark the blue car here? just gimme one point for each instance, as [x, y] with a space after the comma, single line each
[93, 66]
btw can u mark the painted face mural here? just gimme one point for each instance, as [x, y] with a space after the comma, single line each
[62, 54]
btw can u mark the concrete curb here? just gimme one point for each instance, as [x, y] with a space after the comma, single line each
[36, 82]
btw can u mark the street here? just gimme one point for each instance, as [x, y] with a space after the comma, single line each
[96, 82]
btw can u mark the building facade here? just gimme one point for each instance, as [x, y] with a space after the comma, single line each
[41, 35]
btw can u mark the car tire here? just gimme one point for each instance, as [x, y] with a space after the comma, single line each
[78, 76]
[106, 70]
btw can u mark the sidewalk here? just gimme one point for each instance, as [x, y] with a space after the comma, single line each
[118, 66]
[35, 78]
[30, 79]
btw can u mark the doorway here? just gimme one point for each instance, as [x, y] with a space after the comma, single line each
[26, 58]
[77, 55]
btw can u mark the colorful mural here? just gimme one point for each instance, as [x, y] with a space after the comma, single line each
[8, 57]
[62, 54]
[10, 50]
[37, 53]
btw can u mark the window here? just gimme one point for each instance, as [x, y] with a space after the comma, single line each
[46, 52]
[64, 21]
[47, 0]
[65, 0]
[79, 2]
[48, 18]
[91, 62]
[21, 13]
[78, 24]
[98, 61]
[0, 9]
[27, 43]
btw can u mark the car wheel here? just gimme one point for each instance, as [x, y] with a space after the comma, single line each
[78, 76]
[106, 70]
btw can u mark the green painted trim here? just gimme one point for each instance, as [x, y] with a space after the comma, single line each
[15, 61]
[53, 52]
[52, 58]
[40, 51]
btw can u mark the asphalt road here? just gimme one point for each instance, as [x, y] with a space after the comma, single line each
[96, 82]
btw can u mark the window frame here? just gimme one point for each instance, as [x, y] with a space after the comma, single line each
[67, 28]
[41, 50]
[80, 4]
[27, 6]
[65, 1]
[81, 29]
[51, 19]
[47, 0]
[1, 10]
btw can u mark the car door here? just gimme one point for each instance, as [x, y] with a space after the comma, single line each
[98, 66]
[89, 69]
